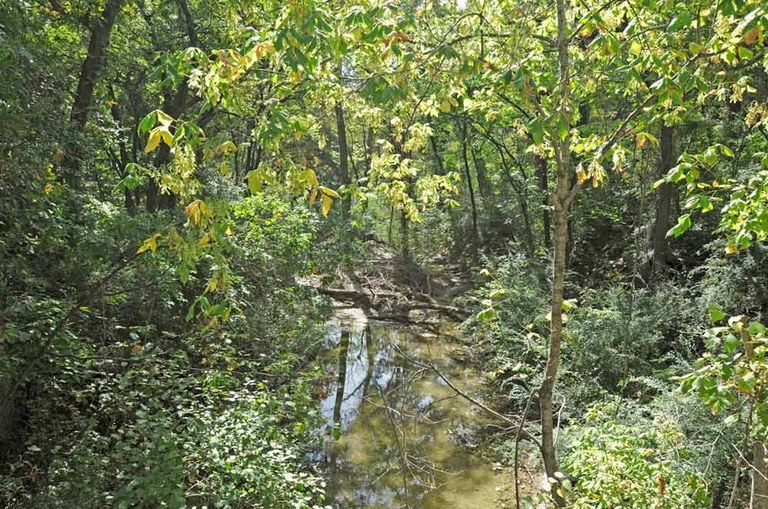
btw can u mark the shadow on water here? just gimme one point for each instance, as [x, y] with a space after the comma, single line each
[403, 437]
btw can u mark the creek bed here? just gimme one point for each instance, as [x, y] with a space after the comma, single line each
[398, 436]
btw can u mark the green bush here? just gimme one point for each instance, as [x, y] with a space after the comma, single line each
[630, 463]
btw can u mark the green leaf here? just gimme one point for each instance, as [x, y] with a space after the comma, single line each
[486, 315]
[537, 133]
[255, 181]
[148, 122]
[680, 22]
[715, 313]
[498, 293]
[756, 329]
[562, 127]
[191, 312]
[727, 152]
[164, 118]
[695, 48]
[682, 226]
[731, 343]
[745, 53]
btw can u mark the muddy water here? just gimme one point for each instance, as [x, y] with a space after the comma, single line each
[402, 437]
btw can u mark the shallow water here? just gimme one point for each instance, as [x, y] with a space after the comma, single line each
[403, 437]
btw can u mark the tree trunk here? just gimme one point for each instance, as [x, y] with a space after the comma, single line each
[483, 185]
[89, 74]
[438, 158]
[7, 411]
[562, 202]
[664, 204]
[369, 142]
[759, 495]
[94, 60]
[542, 169]
[468, 174]
[404, 234]
[341, 129]
[174, 105]
[530, 242]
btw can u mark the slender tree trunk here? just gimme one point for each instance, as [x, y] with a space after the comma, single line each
[542, 168]
[7, 411]
[89, 74]
[562, 201]
[94, 61]
[404, 234]
[368, 150]
[664, 204]
[438, 157]
[530, 242]
[482, 176]
[522, 203]
[759, 496]
[468, 174]
[341, 129]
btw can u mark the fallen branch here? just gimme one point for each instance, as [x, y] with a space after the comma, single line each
[364, 299]
[467, 397]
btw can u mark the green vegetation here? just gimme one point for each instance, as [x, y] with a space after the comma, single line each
[181, 180]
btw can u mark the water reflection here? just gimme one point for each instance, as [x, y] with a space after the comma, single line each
[402, 429]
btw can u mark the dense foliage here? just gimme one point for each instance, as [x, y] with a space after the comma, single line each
[173, 171]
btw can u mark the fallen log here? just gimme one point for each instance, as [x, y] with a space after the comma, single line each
[365, 300]
[451, 311]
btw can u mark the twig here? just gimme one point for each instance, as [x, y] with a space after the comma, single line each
[463, 394]
[517, 448]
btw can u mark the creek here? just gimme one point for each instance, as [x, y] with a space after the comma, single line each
[398, 435]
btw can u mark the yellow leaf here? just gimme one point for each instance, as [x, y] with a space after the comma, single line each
[153, 141]
[329, 192]
[225, 148]
[445, 106]
[164, 118]
[313, 197]
[581, 175]
[224, 168]
[196, 211]
[166, 135]
[149, 244]
[731, 249]
[326, 202]
[263, 49]
[157, 135]
[309, 177]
